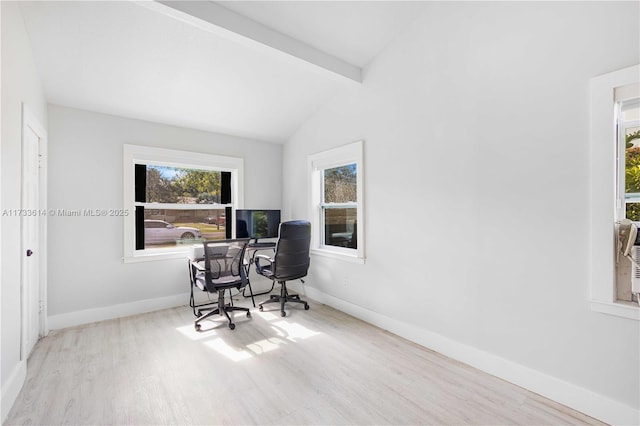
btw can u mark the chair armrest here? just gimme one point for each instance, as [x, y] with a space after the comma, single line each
[261, 267]
[198, 264]
[262, 256]
[197, 272]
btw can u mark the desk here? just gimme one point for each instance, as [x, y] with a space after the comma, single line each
[261, 246]
[254, 248]
[196, 264]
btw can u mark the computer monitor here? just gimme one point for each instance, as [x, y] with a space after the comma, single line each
[257, 223]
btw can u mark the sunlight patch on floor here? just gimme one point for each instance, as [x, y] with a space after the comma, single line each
[223, 348]
[284, 331]
[190, 332]
[269, 316]
[265, 345]
[291, 330]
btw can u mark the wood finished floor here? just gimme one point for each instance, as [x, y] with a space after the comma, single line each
[313, 367]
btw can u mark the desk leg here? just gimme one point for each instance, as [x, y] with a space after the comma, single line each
[249, 285]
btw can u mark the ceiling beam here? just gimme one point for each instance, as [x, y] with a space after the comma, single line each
[214, 18]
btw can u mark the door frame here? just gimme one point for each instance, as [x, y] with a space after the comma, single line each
[30, 122]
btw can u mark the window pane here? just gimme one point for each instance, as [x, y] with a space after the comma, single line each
[632, 160]
[340, 227]
[633, 211]
[185, 186]
[168, 228]
[340, 184]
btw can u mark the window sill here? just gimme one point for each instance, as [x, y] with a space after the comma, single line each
[152, 257]
[340, 256]
[620, 309]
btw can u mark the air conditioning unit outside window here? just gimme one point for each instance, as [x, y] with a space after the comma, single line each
[635, 271]
[629, 247]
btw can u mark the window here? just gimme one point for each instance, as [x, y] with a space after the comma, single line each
[336, 202]
[614, 194]
[175, 199]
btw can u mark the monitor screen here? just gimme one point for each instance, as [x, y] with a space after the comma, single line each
[257, 223]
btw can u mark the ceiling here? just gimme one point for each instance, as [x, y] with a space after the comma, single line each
[250, 69]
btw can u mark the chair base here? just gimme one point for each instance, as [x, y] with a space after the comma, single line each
[283, 298]
[220, 310]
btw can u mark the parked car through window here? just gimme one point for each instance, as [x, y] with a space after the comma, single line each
[160, 232]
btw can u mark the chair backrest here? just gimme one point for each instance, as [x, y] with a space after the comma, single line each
[224, 263]
[291, 260]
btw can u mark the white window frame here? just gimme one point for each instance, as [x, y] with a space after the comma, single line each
[317, 163]
[136, 154]
[605, 200]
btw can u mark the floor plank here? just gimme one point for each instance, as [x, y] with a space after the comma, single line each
[313, 367]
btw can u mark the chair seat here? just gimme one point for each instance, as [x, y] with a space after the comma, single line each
[222, 283]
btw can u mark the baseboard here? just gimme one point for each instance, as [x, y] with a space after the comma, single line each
[11, 388]
[578, 398]
[88, 316]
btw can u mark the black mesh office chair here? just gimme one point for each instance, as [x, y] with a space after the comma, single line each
[221, 269]
[289, 262]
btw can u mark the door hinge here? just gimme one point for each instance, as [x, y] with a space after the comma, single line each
[41, 306]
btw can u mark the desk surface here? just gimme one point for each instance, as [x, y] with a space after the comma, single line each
[261, 245]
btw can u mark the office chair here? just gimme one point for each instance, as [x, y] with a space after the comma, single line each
[222, 269]
[289, 262]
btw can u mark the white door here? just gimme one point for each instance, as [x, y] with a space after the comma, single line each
[31, 215]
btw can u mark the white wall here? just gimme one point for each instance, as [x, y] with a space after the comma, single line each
[86, 271]
[20, 83]
[475, 122]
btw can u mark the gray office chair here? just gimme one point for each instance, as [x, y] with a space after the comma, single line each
[289, 262]
[222, 269]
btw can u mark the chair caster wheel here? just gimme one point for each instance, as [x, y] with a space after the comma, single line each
[197, 327]
[248, 314]
[198, 313]
[260, 308]
[232, 326]
[306, 306]
[283, 313]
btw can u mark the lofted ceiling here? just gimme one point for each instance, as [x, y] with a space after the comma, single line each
[249, 69]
